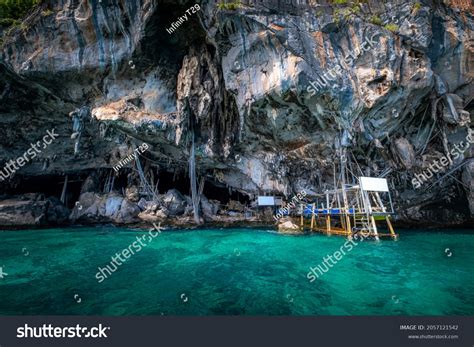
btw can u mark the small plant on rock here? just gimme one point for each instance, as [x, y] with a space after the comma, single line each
[376, 20]
[391, 27]
[232, 6]
[416, 7]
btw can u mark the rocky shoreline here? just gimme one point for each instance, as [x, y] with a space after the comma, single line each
[172, 211]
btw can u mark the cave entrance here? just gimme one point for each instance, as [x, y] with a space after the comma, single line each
[216, 191]
[211, 190]
[170, 48]
[49, 185]
[172, 180]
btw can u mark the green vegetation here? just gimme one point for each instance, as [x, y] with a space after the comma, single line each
[6, 22]
[416, 7]
[11, 14]
[46, 13]
[355, 8]
[392, 27]
[336, 15]
[13, 10]
[376, 20]
[347, 11]
[232, 6]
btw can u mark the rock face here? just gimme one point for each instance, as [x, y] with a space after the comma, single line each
[288, 227]
[270, 92]
[107, 208]
[32, 210]
[174, 202]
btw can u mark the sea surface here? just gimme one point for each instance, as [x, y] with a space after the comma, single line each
[234, 272]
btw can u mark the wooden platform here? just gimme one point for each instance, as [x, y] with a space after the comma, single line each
[344, 225]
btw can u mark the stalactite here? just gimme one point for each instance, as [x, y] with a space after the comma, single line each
[79, 116]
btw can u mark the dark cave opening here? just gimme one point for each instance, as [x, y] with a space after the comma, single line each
[52, 185]
[49, 185]
[167, 48]
[215, 191]
[171, 180]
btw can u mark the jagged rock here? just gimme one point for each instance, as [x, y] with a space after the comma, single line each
[88, 207]
[110, 207]
[32, 210]
[57, 213]
[404, 152]
[113, 205]
[91, 184]
[152, 206]
[288, 227]
[234, 205]
[162, 213]
[143, 204]
[128, 212]
[209, 207]
[151, 216]
[132, 193]
[247, 74]
[468, 180]
[174, 202]
[453, 112]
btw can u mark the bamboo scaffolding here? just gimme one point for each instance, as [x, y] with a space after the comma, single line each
[351, 201]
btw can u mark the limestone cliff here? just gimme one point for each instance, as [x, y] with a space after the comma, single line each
[269, 90]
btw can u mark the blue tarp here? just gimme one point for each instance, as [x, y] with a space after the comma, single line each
[308, 210]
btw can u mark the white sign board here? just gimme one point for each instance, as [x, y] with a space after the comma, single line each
[268, 201]
[371, 184]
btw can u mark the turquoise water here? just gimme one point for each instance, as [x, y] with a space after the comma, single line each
[234, 272]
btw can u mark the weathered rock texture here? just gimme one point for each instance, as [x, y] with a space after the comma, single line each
[270, 92]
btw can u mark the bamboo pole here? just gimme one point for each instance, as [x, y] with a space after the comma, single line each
[348, 224]
[374, 227]
[328, 223]
[390, 227]
[343, 223]
[63, 193]
[312, 217]
[302, 212]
